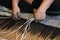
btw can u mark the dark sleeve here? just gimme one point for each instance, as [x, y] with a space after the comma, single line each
[36, 3]
[55, 6]
[6, 3]
[25, 7]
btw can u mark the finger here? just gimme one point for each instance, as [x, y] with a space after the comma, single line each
[17, 16]
[37, 19]
[13, 15]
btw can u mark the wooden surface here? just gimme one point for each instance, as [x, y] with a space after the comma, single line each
[37, 31]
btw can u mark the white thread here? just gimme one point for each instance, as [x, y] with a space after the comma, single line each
[25, 31]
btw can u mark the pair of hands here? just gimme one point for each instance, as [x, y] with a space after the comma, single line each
[38, 14]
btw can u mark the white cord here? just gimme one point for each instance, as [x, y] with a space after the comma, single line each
[25, 29]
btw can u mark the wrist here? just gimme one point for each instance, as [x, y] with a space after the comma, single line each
[14, 4]
[42, 9]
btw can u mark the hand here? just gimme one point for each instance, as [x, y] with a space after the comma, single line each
[39, 15]
[16, 13]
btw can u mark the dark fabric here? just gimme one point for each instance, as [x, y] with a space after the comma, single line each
[25, 7]
[36, 3]
[55, 6]
[6, 3]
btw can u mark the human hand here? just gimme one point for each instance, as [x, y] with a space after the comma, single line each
[39, 15]
[16, 12]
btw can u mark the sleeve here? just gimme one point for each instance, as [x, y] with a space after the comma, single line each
[6, 3]
[36, 3]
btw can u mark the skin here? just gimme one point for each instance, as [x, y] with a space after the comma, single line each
[15, 9]
[39, 14]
